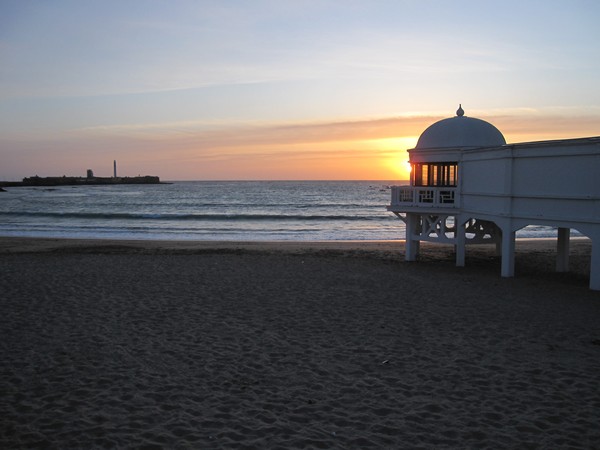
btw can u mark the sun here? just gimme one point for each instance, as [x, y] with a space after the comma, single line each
[395, 156]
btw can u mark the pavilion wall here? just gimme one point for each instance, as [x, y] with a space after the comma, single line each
[555, 183]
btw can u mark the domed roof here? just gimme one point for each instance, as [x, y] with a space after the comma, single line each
[459, 132]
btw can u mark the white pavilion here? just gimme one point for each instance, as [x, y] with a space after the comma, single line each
[468, 186]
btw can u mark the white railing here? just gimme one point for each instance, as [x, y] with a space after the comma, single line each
[424, 196]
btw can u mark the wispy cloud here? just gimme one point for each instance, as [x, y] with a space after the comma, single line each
[529, 124]
[535, 123]
[243, 134]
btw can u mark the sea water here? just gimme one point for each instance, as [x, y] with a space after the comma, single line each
[209, 210]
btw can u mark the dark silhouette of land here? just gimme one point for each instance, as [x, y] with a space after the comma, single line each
[76, 181]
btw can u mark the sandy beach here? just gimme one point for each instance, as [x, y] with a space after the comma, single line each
[295, 345]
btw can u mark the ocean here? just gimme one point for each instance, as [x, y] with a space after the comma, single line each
[210, 210]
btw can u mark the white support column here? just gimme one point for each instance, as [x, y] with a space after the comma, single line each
[595, 263]
[460, 243]
[562, 250]
[508, 253]
[412, 244]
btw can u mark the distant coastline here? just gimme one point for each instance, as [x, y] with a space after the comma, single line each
[76, 181]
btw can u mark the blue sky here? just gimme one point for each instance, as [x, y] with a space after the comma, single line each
[166, 87]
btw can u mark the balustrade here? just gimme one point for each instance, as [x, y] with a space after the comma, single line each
[424, 196]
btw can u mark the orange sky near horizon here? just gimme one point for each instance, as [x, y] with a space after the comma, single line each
[371, 149]
[368, 149]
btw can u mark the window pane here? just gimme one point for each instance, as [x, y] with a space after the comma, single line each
[434, 174]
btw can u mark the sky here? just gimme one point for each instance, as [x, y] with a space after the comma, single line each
[282, 90]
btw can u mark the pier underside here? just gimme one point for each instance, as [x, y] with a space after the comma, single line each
[461, 231]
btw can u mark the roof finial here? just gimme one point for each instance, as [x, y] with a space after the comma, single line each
[460, 112]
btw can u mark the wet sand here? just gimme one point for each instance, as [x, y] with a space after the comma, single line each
[294, 345]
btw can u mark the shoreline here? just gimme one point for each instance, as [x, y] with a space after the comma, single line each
[534, 257]
[43, 242]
